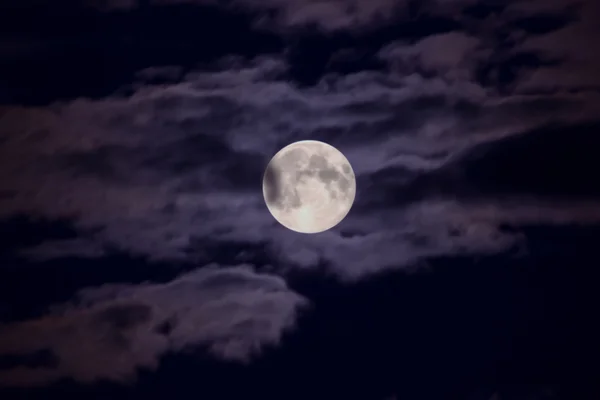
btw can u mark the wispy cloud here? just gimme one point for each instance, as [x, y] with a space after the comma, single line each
[176, 163]
[111, 331]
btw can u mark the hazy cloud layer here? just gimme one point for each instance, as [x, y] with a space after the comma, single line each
[111, 331]
[174, 164]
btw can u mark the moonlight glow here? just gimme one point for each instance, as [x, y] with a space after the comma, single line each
[309, 186]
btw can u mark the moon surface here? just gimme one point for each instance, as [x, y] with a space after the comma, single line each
[309, 186]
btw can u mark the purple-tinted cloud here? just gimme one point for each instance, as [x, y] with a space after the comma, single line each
[174, 164]
[112, 331]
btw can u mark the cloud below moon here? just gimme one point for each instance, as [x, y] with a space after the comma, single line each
[233, 311]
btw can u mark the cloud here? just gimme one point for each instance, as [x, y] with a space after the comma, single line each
[111, 331]
[177, 165]
[573, 67]
[450, 55]
[331, 14]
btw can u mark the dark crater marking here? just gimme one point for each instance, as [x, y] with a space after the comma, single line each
[282, 196]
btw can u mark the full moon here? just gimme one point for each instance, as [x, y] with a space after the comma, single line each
[309, 186]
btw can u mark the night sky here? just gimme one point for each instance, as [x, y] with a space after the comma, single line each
[138, 259]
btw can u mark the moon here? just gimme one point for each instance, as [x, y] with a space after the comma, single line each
[309, 186]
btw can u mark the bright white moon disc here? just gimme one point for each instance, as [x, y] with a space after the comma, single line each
[309, 186]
